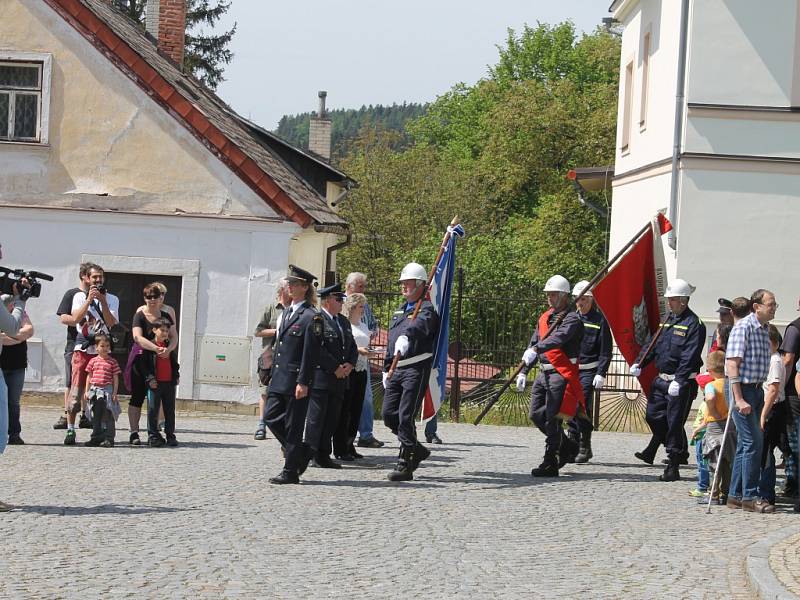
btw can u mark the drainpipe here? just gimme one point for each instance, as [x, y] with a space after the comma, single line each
[680, 96]
[329, 256]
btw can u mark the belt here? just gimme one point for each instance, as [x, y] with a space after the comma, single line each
[671, 377]
[588, 366]
[548, 367]
[414, 359]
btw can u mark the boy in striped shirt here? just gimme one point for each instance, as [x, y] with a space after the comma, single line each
[102, 384]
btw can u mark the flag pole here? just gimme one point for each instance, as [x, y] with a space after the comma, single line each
[435, 266]
[595, 280]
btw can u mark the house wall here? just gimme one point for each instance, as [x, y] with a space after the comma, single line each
[237, 265]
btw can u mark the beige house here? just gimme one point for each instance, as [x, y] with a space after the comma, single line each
[108, 152]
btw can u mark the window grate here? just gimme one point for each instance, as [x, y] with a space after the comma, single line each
[20, 101]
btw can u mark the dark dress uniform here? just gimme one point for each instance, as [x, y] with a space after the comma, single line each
[678, 357]
[406, 388]
[594, 359]
[327, 391]
[549, 386]
[295, 357]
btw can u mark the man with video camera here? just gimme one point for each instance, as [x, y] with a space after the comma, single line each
[93, 312]
[10, 322]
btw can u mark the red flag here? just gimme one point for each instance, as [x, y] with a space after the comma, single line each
[631, 296]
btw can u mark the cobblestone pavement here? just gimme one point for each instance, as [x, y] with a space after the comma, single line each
[784, 559]
[201, 521]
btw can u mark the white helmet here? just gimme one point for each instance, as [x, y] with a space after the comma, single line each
[557, 283]
[413, 271]
[579, 287]
[678, 288]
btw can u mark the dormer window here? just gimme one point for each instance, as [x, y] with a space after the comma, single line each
[24, 97]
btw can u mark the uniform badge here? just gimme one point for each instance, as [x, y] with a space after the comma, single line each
[317, 325]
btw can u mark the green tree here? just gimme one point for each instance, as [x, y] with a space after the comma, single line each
[205, 54]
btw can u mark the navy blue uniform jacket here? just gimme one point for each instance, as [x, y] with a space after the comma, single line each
[596, 345]
[566, 336]
[296, 352]
[679, 348]
[334, 352]
[421, 332]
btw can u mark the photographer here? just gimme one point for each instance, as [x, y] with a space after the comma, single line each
[94, 312]
[10, 323]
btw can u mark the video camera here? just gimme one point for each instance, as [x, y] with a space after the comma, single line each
[9, 277]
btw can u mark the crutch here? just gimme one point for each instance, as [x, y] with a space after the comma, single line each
[721, 452]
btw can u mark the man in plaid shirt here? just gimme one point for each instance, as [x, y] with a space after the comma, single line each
[747, 364]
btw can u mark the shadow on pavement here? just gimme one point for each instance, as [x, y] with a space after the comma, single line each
[212, 445]
[371, 484]
[493, 479]
[481, 445]
[102, 509]
[638, 464]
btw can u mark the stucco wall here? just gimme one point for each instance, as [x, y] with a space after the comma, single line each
[107, 136]
[239, 264]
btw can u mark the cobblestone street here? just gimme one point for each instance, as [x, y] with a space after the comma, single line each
[201, 521]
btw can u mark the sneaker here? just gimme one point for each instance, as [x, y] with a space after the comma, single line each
[172, 442]
[261, 434]
[370, 443]
[69, 440]
[5, 507]
[156, 442]
[107, 444]
[698, 493]
[15, 440]
[92, 443]
[84, 423]
[134, 439]
[61, 423]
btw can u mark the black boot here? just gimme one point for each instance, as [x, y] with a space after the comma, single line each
[404, 471]
[548, 468]
[648, 455]
[671, 473]
[568, 450]
[585, 451]
[420, 454]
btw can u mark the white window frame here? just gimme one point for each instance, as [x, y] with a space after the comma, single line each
[627, 105]
[647, 44]
[45, 63]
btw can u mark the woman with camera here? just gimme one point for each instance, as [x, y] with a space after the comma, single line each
[136, 371]
[10, 322]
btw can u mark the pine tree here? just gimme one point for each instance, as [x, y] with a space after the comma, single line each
[205, 54]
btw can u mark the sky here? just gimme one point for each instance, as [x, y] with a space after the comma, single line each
[366, 52]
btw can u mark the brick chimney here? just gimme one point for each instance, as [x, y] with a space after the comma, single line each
[165, 20]
[319, 131]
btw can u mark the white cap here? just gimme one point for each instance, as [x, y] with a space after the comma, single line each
[557, 283]
[679, 288]
[579, 287]
[413, 271]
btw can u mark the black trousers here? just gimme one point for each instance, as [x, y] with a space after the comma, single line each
[546, 396]
[324, 407]
[286, 419]
[163, 395]
[576, 425]
[351, 413]
[666, 415]
[402, 400]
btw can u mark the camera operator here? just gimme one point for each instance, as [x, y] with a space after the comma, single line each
[10, 322]
[64, 313]
[94, 312]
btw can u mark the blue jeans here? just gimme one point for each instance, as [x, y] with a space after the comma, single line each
[15, 379]
[766, 483]
[366, 422]
[702, 467]
[3, 413]
[746, 470]
[432, 426]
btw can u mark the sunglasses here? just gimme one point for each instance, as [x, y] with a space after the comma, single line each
[152, 297]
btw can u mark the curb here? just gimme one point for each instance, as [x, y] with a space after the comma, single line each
[763, 580]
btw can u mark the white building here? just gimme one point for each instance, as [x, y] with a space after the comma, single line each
[110, 154]
[736, 196]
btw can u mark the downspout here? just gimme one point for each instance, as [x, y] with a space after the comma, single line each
[348, 236]
[680, 95]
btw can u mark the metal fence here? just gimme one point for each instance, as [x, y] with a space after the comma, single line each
[489, 330]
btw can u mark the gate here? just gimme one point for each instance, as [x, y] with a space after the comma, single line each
[489, 330]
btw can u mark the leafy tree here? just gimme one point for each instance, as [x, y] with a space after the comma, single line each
[205, 54]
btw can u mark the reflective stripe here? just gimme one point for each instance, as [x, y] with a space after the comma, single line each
[591, 325]
[668, 325]
[414, 359]
[549, 367]
[588, 366]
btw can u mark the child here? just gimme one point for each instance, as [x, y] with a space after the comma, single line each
[697, 441]
[102, 383]
[719, 458]
[161, 375]
[773, 420]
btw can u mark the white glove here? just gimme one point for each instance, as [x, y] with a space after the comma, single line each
[635, 370]
[401, 345]
[598, 381]
[522, 381]
[529, 355]
[674, 388]
[385, 379]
